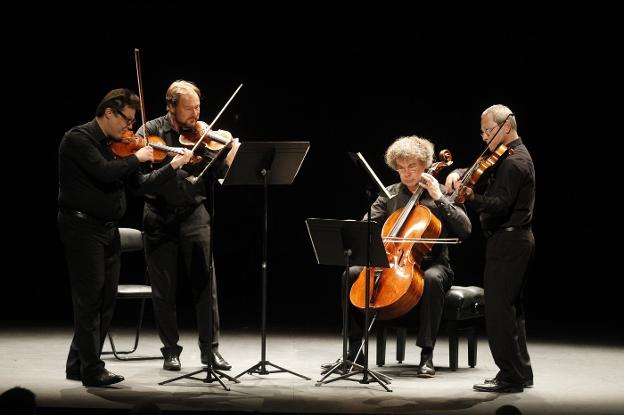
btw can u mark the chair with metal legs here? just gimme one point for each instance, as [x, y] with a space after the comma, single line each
[132, 240]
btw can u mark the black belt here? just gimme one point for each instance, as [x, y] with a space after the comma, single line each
[490, 232]
[89, 218]
[172, 210]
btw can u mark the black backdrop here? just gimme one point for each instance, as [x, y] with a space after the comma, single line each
[344, 84]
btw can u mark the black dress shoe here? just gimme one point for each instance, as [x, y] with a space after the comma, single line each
[426, 369]
[526, 384]
[499, 386]
[172, 362]
[73, 376]
[218, 363]
[103, 378]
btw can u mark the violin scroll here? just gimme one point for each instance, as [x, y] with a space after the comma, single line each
[445, 160]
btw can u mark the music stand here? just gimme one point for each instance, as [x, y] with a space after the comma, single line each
[211, 373]
[374, 186]
[265, 163]
[344, 242]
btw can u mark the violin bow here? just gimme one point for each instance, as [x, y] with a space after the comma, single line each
[216, 118]
[137, 63]
[194, 179]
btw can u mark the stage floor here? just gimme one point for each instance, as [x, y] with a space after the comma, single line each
[570, 378]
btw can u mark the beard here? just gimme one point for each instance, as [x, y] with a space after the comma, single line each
[188, 124]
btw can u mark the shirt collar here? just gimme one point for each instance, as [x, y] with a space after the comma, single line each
[168, 125]
[515, 143]
[98, 133]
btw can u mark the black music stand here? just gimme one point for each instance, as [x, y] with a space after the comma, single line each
[265, 163]
[211, 373]
[345, 242]
[373, 187]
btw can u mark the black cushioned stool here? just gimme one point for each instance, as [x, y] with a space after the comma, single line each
[462, 307]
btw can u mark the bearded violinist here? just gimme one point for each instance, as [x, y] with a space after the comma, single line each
[177, 230]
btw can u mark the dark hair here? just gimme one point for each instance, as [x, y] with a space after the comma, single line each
[17, 400]
[117, 99]
[507, 410]
[145, 408]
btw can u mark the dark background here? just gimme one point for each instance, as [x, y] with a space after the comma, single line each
[348, 82]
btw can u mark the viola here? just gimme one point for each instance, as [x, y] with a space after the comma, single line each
[474, 173]
[130, 144]
[201, 134]
[396, 290]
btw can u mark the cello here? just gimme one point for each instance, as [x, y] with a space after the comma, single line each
[408, 234]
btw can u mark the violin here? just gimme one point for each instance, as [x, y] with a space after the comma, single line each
[472, 175]
[201, 134]
[396, 290]
[130, 144]
[487, 159]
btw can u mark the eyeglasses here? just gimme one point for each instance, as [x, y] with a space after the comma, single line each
[129, 121]
[488, 130]
[411, 169]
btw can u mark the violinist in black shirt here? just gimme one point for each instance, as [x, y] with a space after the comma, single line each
[177, 229]
[505, 208]
[91, 201]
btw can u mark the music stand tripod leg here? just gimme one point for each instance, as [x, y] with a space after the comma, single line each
[365, 370]
[380, 375]
[343, 362]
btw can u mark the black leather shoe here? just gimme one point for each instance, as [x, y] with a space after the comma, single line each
[103, 378]
[219, 363]
[172, 362]
[527, 383]
[73, 376]
[426, 369]
[499, 386]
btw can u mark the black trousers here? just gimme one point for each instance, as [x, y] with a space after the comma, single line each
[178, 241]
[438, 280]
[93, 258]
[508, 255]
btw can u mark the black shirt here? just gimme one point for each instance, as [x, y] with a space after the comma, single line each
[90, 178]
[455, 222]
[509, 197]
[177, 191]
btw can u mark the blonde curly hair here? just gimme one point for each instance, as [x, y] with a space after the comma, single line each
[407, 148]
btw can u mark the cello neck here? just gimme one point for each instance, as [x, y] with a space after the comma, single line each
[413, 201]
